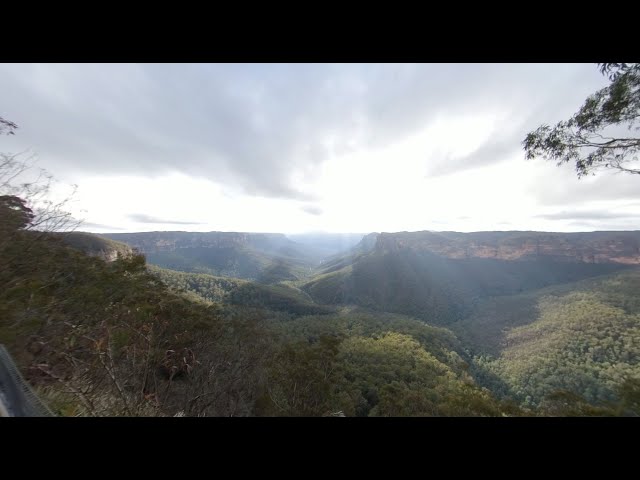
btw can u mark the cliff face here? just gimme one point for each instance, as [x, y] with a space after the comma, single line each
[369, 242]
[263, 257]
[591, 247]
[154, 242]
[97, 246]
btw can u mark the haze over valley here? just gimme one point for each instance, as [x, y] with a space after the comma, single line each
[321, 240]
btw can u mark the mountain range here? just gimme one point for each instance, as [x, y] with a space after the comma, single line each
[382, 324]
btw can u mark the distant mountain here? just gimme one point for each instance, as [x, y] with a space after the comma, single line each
[124, 338]
[154, 242]
[264, 257]
[327, 244]
[589, 247]
[342, 259]
[438, 276]
[234, 291]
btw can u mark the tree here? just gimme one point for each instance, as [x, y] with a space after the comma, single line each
[14, 212]
[592, 137]
[7, 127]
[27, 212]
[21, 182]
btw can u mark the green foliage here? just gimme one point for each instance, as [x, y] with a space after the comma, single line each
[229, 262]
[385, 365]
[208, 287]
[587, 137]
[359, 322]
[15, 213]
[276, 297]
[109, 338]
[492, 317]
[303, 379]
[279, 297]
[221, 261]
[569, 404]
[122, 337]
[437, 289]
[266, 258]
[93, 244]
[629, 395]
[582, 339]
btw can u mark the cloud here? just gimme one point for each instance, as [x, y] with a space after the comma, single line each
[559, 186]
[489, 153]
[587, 215]
[600, 226]
[98, 226]
[522, 116]
[312, 209]
[142, 218]
[366, 147]
[256, 126]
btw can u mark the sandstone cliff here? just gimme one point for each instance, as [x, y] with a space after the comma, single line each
[589, 247]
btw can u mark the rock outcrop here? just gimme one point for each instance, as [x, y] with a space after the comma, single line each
[153, 242]
[588, 247]
[97, 246]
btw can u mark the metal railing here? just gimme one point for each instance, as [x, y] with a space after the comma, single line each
[17, 398]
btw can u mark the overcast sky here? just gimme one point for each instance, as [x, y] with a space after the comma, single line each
[310, 147]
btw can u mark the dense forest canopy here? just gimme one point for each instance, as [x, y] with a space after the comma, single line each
[118, 337]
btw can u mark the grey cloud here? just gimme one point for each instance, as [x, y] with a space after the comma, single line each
[551, 105]
[566, 189]
[487, 154]
[312, 210]
[587, 215]
[253, 126]
[605, 226]
[98, 226]
[142, 218]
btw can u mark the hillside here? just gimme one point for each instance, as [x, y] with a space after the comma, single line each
[244, 318]
[95, 338]
[113, 336]
[379, 364]
[96, 245]
[265, 258]
[408, 277]
[582, 338]
[278, 297]
[348, 257]
[567, 337]
[109, 338]
[587, 247]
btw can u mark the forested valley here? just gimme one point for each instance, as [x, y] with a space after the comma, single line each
[98, 331]
[531, 310]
